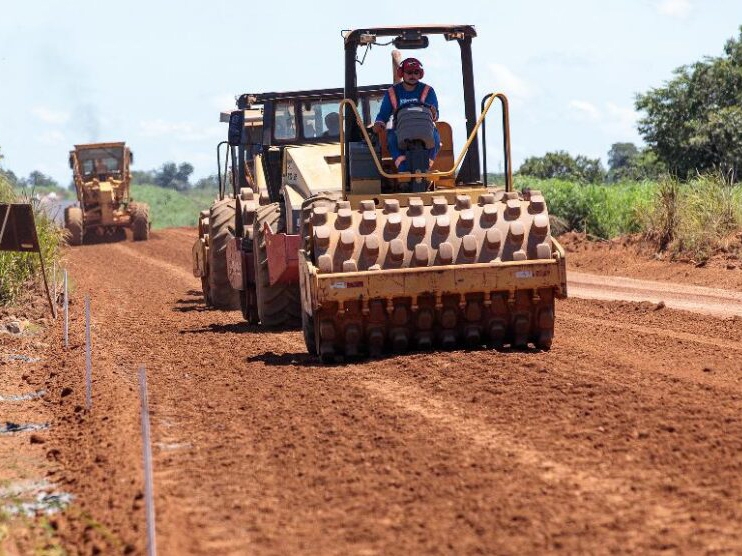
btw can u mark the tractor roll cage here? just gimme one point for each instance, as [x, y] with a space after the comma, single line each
[410, 38]
[269, 100]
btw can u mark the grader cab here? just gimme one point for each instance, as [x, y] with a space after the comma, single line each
[102, 180]
[435, 258]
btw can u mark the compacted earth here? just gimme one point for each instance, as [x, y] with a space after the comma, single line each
[625, 437]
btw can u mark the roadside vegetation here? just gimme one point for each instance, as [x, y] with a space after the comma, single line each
[681, 191]
[688, 220]
[19, 271]
[171, 208]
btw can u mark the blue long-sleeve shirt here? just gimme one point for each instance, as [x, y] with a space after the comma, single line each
[404, 97]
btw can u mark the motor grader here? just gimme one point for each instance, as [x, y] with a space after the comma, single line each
[102, 180]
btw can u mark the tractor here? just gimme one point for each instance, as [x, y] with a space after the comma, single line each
[294, 156]
[216, 225]
[373, 260]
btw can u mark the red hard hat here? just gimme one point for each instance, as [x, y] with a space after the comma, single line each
[409, 64]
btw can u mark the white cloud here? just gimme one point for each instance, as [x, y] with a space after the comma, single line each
[585, 109]
[675, 8]
[49, 116]
[184, 131]
[618, 122]
[506, 81]
[52, 137]
[621, 120]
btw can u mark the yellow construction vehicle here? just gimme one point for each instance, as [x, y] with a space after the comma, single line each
[293, 154]
[216, 225]
[426, 258]
[102, 179]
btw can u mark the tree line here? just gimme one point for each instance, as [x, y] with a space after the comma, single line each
[173, 176]
[169, 176]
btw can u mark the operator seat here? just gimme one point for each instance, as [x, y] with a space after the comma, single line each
[443, 161]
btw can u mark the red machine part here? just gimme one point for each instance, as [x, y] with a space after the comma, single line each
[283, 256]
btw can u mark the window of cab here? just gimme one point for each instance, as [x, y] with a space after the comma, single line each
[285, 121]
[320, 119]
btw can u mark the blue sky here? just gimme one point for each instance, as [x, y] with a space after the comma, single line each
[157, 74]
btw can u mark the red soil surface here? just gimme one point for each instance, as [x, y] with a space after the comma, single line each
[625, 437]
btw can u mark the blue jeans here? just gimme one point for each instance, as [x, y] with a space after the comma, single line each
[396, 152]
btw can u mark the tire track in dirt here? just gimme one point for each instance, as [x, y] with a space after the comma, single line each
[685, 452]
[643, 357]
[698, 299]
[617, 494]
[663, 333]
[178, 271]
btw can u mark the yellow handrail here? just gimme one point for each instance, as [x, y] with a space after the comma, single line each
[408, 175]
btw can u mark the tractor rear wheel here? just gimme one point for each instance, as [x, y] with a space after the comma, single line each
[74, 225]
[278, 305]
[140, 221]
[221, 217]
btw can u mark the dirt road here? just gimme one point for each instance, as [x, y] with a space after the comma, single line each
[625, 437]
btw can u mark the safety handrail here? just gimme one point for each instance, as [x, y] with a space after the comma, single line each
[408, 175]
[222, 184]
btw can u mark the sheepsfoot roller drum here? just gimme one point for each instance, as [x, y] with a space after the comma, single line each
[443, 270]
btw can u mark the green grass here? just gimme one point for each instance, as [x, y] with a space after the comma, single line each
[600, 210]
[694, 219]
[697, 219]
[170, 208]
[17, 270]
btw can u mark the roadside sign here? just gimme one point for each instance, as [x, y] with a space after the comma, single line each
[17, 228]
[18, 233]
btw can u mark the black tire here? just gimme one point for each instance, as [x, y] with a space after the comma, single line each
[249, 310]
[140, 221]
[307, 327]
[248, 301]
[278, 305]
[205, 289]
[73, 223]
[221, 218]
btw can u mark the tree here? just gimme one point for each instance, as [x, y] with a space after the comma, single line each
[627, 162]
[694, 122]
[37, 179]
[561, 165]
[8, 175]
[142, 177]
[172, 176]
[209, 182]
[622, 155]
